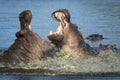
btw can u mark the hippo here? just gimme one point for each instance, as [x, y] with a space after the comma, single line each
[28, 45]
[67, 37]
[108, 47]
[95, 37]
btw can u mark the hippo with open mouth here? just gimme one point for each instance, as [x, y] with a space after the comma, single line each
[28, 46]
[67, 37]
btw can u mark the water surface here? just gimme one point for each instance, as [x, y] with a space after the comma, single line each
[58, 78]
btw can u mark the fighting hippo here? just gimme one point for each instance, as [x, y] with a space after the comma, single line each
[28, 46]
[67, 37]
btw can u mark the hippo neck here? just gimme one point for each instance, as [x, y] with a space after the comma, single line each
[26, 26]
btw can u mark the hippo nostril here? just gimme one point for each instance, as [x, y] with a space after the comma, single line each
[19, 35]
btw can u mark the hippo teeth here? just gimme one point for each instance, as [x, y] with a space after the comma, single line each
[51, 32]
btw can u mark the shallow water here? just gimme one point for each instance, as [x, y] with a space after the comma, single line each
[92, 16]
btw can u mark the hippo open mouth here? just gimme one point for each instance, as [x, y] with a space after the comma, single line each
[28, 46]
[63, 17]
[58, 34]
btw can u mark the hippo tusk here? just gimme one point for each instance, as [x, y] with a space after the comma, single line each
[50, 32]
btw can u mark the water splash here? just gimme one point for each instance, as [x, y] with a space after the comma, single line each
[64, 63]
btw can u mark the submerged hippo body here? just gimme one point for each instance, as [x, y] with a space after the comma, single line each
[108, 47]
[72, 40]
[95, 37]
[28, 46]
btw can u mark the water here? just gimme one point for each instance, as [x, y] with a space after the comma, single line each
[92, 16]
[58, 78]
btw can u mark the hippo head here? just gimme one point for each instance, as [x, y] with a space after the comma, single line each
[25, 18]
[63, 16]
[28, 46]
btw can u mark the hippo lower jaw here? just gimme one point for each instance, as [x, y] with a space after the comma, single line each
[56, 38]
[57, 35]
